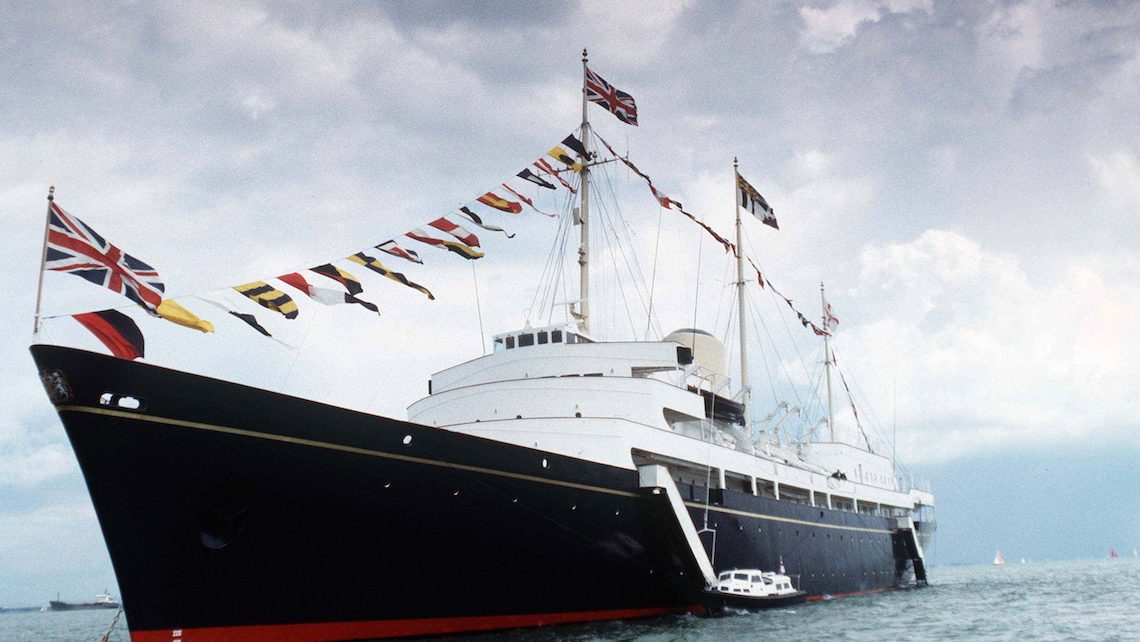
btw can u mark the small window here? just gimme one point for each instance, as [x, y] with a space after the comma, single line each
[740, 576]
[526, 340]
[556, 336]
[498, 344]
[542, 337]
[571, 337]
[510, 343]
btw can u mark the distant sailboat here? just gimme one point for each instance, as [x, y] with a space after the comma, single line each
[1112, 553]
[999, 559]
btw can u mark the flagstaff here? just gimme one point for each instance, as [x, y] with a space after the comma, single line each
[43, 262]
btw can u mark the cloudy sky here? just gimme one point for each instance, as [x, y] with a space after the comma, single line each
[965, 177]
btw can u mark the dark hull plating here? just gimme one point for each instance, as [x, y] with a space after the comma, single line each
[239, 513]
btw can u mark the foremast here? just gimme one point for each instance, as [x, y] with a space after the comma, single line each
[584, 213]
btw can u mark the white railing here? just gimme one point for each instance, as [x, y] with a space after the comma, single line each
[908, 482]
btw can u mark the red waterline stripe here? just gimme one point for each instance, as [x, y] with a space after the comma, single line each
[818, 598]
[372, 629]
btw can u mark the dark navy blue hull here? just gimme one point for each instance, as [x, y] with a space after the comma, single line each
[237, 513]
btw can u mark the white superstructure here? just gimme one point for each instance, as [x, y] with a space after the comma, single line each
[627, 404]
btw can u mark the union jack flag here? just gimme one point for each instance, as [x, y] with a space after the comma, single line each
[618, 102]
[74, 247]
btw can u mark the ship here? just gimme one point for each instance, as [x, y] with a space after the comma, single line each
[560, 478]
[101, 601]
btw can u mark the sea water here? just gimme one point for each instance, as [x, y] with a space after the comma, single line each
[1079, 600]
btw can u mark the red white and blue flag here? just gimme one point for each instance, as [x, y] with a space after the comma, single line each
[618, 102]
[72, 246]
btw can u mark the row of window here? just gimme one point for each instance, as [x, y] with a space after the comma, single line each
[540, 338]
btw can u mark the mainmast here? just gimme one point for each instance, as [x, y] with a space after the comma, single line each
[827, 363]
[584, 215]
[745, 388]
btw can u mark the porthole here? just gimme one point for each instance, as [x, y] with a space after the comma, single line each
[545, 464]
[407, 439]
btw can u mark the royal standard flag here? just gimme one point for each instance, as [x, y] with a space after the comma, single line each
[751, 200]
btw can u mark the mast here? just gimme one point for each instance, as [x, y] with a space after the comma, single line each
[584, 215]
[827, 363]
[43, 261]
[745, 388]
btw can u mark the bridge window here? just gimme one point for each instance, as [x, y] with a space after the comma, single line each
[556, 336]
[526, 340]
[498, 344]
[542, 337]
[510, 343]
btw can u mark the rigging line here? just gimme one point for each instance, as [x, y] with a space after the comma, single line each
[725, 285]
[557, 265]
[547, 285]
[479, 309]
[787, 374]
[697, 289]
[301, 347]
[764, 357]
[552, 263]
[558, 259]
[625, 228]
[791, 338]
[613, 260]
[386, 373]
[653, 278]
[634, 277]
[873, 417]
[638, 277]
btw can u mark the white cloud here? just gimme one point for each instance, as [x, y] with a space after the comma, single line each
[826, 30]
[36, 466]
[1119, 176]
[986, 356]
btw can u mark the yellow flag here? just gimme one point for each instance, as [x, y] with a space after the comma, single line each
[171, 311]
[561, 155]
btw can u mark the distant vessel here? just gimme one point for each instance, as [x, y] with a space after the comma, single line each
[999, 559]
[1113, 554]
[102, 601]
